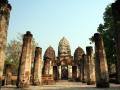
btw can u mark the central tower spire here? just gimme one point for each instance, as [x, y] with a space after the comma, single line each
[64, 47]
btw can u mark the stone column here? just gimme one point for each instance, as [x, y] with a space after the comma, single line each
[37, 70]
[84, 79]
[116, 17]
[90, 66]
[81, 70]
[24, 70]
[8, 74]
[102, 77]
[5, 9]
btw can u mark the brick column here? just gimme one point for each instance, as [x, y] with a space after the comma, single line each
[102, 77]
[37, 70]
[90, 66]
[84, 58]
[24, 71]
[5, 9]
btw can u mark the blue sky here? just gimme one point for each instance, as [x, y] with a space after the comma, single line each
[50, 20]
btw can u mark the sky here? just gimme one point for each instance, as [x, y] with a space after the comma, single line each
[50, 20]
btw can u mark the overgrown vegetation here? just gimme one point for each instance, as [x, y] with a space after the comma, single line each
[13, 52]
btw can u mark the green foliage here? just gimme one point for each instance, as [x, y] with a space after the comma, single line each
[4, 1]
[106, 29]
[13, 52]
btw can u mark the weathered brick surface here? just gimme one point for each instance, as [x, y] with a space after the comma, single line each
[37, 69]
[84, 60]
[65, 59]
[47, 71]
[78, 60]
[5, 9]
[90, 66]
[24, 71]
[102, 77]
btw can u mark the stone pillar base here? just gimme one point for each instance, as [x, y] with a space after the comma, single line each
[84, 81]
[91, 83]
[36, 83]
[102, 85]
[23, 85]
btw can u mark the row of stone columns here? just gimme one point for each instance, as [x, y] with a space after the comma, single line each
[24, 70]
[101, 68]
[94, 70]
[87, 67]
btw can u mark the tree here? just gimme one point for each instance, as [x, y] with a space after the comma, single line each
[4, 1]
[13, 52]
[106, 30]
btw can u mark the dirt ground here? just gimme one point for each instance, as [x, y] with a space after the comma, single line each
[64, 85]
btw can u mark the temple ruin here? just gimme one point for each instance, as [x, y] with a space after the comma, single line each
[90, 67]
[62, 67]
[78, 62]
[47, 72]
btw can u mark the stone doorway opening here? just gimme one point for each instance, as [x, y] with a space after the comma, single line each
[64, 72]
[55, 73]
[74, 72]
